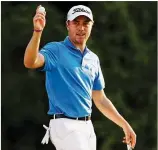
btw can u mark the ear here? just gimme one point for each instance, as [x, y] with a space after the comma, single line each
[92, 23]
[67, 25]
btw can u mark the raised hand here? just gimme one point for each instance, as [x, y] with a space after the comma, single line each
[39, 20]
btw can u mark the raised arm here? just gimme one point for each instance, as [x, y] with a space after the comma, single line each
[33, 59]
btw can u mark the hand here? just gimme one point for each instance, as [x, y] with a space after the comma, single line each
[130, 136]
[39, 20]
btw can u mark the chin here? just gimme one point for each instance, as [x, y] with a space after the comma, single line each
[80, 41]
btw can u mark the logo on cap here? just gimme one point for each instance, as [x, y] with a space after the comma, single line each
[80, 10]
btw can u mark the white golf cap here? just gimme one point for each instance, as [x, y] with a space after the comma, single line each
[79, 10]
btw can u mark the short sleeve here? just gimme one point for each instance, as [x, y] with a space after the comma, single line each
[99, 83]
[50, 53]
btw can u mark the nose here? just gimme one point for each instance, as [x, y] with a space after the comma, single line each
[81, 27]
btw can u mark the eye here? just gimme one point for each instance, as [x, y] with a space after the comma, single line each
[86, 23]
[75, 22]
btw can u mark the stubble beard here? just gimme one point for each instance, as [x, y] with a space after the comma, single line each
[80, 41]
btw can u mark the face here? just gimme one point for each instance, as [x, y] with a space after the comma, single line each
[79, 29]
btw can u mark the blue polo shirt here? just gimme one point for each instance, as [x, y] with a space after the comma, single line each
[70, 78]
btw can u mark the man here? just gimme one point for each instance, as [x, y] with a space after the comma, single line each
[73, 79]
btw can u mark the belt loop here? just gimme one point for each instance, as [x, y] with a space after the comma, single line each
[85, 118]
[77, 118]
[54, 116]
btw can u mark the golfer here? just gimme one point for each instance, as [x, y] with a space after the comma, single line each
[73, 79]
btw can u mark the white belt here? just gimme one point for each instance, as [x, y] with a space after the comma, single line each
[45, 139]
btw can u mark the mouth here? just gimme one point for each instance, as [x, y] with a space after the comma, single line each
[81, 35]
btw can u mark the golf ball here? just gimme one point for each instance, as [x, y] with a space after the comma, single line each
[41, 9]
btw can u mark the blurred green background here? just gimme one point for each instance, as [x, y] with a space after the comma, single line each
[124, 37]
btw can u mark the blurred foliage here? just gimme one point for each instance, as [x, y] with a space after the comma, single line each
[124, 38]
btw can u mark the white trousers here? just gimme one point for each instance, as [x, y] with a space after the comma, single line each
[69, 134]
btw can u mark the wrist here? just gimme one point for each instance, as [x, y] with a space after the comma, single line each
[37, 30]
[37, 33]
[125, 124]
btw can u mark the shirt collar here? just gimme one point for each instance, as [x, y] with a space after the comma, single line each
[70, 44]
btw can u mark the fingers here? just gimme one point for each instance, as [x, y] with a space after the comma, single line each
[130, 140]
[130, 136]
[125, 140]
[127, 137]
[133, 140]
[39, 16]
[39, 12]
[42, 13]
[39, 20]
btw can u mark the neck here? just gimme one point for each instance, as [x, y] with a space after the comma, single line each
[81, 47]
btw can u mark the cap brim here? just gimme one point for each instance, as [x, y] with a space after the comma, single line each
[72, 17]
